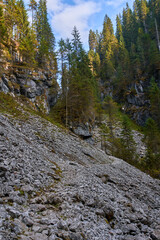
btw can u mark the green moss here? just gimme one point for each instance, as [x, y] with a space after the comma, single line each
[16, 86]
[10, 203]
[9, 105]
[26, 86]
[106, 221]
[39, 135]
[21, 192]
[58, 171]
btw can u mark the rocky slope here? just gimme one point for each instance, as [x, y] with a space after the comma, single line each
[55, 186]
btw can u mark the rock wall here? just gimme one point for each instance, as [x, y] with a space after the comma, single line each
[137, 104]
[39, 86]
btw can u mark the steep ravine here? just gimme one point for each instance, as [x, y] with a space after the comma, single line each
[55, 186]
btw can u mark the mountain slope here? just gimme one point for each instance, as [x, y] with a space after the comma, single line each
[56, 186]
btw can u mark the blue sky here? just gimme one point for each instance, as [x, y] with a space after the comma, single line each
[85, 15]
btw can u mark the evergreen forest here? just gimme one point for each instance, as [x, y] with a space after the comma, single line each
[99, 82]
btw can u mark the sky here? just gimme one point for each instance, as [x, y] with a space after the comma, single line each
[85, 15]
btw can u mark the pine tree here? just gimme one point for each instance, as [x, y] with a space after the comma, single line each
[152, 140]
[11, 18]
[92, 40]
[108, 49]
[26, 37]
[128, 146]
[76, 44]
[45, 37]
[3, 38]
[144, 12]
[62, 51]
[110, 108]
[80, 82]
[21, 39]
[119, 34]
[127, 26]
[33, 7]
[107, 35]
[3, 30]
[155, 101]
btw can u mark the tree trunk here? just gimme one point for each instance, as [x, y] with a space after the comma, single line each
[157, 34]
[145, 28]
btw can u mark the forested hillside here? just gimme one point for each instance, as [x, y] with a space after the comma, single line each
[31, 44]
[128, 63]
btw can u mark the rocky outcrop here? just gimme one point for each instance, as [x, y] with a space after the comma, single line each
[137, 104]
[83, 130]
[38, 85]
[56, 186]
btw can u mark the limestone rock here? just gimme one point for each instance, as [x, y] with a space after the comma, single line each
[39, 86]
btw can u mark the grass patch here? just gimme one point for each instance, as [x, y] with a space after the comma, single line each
[9, 105]
[21, 108]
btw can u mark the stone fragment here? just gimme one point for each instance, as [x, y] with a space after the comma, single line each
[3, 170]
[28, 221]
[53, 199]
[155, 235]
[13, 213]
[62, 225]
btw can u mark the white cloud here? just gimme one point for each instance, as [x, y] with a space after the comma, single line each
[55, 5]
[117, 3]
[64, 17]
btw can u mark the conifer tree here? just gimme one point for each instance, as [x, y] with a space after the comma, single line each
[108, 49]
[65, 62]
[119, 34]
[11, 19]
[92, 40]
[155, 101]
[152, 140]
[45, 37]
[128, 146]
[127, 26]
[21, 40]
[33, 7]
[3, 37]
[76, 44]
[77, 81]
[3, 30]
[110, 108]
[26, 38]
[144, 12]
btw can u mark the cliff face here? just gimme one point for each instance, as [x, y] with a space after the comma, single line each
[38, 85]
[135, 101]
[56, 186]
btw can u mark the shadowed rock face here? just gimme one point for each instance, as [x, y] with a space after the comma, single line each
[55, 186]
[136, 102]
[39, 86]
[82, 130]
